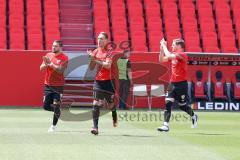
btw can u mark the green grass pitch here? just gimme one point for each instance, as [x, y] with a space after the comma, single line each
[23, 136]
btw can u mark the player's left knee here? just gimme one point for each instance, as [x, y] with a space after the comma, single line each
[56, 102]
[182, 105]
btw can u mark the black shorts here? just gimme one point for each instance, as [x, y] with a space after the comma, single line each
[178, 91]
[104, 90]
[51, 94]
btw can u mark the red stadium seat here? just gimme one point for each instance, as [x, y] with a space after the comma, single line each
[201, 3]
[211, 49]
[205, 10]
[139, 41]
[51, 22]
[137, 23]
[170, 10]
[217, 3]
[3, 38]
[190, 25]
[193, 49]
[154, 41]
[35, 46]
[183, 2]
[17, 39]
[207, 25]
[192, 39]
[199, 81]
[51, 7]
[187, 10]
[16, 21]
[120, 33]
[119, 38]
[118, 9]
[101, 20]
[152, 10]
[209, 39]
[225, 25]
[154, 24]
[33, 7]
[234, 3]
[3, 7]
[228, 49]
[35, 39]
[222, 13]
[16, 7]
[34, 21]
[140, 48]
[218, 85]
[135, 10]
[119, 23]
[172, 24]
[100, 12]
[2, 21]
[17, 46]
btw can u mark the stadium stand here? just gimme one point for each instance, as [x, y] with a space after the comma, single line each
[29, 25]
[209, 26]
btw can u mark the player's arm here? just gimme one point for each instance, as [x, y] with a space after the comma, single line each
[58, 68]
[162, 57]
[43, 66]
[167, 54]
[46, 61]
[106, 64]
[92, 63]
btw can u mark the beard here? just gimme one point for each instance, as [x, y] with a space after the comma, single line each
[55, 51]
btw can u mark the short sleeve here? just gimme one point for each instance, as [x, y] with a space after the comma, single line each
[64, 62]
[181, 56]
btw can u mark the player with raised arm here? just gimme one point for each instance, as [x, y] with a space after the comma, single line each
[178, 88]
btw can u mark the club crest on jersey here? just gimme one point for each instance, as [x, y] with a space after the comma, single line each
[175, 61]
[182, 96]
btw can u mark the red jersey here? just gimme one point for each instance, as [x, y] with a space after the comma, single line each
[179, 68]
[53, 78]
[103, 73]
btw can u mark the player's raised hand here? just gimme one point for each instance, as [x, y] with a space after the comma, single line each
[90, 53]
[163, 42]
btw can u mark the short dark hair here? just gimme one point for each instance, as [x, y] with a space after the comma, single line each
[105, 34]
[59, 42]
[179, 41]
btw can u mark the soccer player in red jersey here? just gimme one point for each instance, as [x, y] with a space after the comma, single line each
[54, 64]
[103, 89]
[178, 87]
